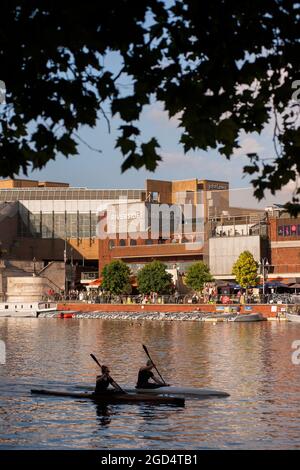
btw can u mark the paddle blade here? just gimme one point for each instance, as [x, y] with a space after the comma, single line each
[95, 359]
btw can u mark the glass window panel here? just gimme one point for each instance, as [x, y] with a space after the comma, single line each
[280, 230]
[294, 229]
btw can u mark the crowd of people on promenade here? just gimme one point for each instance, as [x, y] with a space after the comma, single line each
[210, 295]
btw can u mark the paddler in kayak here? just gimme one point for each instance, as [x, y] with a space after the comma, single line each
[145, 374]
[103, 381]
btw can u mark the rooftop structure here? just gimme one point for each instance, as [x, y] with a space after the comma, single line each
[26, 183]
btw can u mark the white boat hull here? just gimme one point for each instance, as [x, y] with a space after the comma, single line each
[180, 391]
[184, 391]
[248, 317]
[26, 309]
[293, 317]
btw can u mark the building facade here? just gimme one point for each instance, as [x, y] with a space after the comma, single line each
[284, 236]
[177, 222]
[52, 221]
[188, 213]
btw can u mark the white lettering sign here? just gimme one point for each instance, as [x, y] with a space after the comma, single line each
[296, 354]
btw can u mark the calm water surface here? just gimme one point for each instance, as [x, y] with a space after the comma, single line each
[250, 361]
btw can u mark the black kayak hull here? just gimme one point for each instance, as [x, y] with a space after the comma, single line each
[114, 397]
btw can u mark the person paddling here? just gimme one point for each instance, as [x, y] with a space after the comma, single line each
[103, 381]
[145, 374]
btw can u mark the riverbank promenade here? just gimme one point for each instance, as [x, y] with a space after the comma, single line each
[267, 310]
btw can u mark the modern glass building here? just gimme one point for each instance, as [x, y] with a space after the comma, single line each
[56, 213]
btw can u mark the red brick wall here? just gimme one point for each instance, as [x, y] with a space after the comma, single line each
[276, 222]
[265, 310]
[284, 259]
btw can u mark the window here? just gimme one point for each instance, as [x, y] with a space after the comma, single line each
[291, 230]
[148, 241]
[132, 242]
[111, 244]
[122, 242]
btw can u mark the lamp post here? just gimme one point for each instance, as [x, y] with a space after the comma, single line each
[264, 265]
[65, 261]
[34, 271]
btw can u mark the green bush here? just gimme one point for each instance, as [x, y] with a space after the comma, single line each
[116, 278]
[154, 278]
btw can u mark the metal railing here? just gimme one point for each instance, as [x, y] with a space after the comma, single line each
[219, 299]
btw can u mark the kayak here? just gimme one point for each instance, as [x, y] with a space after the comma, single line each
[181, 391]
[115, 397]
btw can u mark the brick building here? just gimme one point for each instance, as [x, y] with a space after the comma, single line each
[198, 202]
[284, 239]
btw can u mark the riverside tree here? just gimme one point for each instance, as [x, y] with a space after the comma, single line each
[245, 270]
[223, 68]
[153, 277]
[196, 276]
[116, 278]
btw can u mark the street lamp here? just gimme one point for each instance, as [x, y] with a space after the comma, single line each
[264, 263]
[65, 262]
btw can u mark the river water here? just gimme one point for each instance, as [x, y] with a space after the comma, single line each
[250, 361]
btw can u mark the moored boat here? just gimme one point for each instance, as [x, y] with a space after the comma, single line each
[115, 397]
[67, 314]
[294, 317]
[26, 309]
[249, 317]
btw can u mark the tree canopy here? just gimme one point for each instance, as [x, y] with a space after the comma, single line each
[197, 274]
[153, 277]
[245, 270]
[222, 67]
[116, 278]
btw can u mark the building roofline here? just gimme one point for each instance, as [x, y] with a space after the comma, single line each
[65, 188]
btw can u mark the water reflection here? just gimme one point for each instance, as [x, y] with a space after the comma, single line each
[250, 361]
[103, 415]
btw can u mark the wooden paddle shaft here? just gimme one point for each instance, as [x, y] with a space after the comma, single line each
[146, 351]
[97, 362]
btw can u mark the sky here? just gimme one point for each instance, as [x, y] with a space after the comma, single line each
[93, 169]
